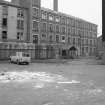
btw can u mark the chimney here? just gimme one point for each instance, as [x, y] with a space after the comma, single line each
[55, 5]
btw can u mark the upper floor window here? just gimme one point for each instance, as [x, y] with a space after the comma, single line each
[20, 24]
[20, 13]
[35, 26]
[44, 27]
[51, 17]
[35, 12]
[57, 38]
[4, 22]
[50, 38]
[20, 35]
[51, 27]
[63, 20]
[63, 30]
[44, 15]
[57, 19]
[63, 39]
[5, 10]
[57, 29]
[35, 39]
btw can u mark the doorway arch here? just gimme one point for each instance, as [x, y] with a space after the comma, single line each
[73, 52]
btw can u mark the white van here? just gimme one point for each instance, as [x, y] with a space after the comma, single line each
[20, 58]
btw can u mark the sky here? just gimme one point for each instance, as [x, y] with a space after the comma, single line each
[90, 10]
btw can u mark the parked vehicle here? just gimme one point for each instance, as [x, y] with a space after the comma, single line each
[20, 58]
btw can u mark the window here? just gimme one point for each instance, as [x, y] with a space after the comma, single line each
[35, 12]
[63, 20]
[57, 19]
[86, 41]
[68, 39]
[50, 38]
[74, 40]
[57, 28]
[82, 41]
[35, 39]
[43, 36]
[51, 27]
[35, 26]
[4, 35]
[57, 38]
[20, 24]
[44, 27]
[5, 10]
[63, 38]
[51, 17]
[79, 41]
[90, 42]
[63, 30]
[20, 35]
[44, 15]
[4, 22]
[69, 30]
[20, 13]
[87, 49]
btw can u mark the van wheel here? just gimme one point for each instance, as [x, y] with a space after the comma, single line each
[11, 61]
[18, 62]
[27, 63]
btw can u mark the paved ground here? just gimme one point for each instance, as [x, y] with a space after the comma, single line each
[77, 82]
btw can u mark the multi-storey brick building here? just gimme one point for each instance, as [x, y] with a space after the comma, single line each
[66, 35]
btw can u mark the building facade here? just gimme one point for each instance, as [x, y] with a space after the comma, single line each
[27, 21]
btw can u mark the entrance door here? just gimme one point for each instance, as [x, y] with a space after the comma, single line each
[72, 52]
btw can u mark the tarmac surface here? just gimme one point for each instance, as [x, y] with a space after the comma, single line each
[72, 82]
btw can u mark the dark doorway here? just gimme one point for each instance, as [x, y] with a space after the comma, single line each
[64, 53]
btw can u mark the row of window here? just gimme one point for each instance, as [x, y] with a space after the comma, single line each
[69, 21]
[88, 50]
[20, 12]
[19, 35]
[62, 29]
[20, 23]
[63, 39]
[64, 20]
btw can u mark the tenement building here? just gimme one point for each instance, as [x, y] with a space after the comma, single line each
[51, 34]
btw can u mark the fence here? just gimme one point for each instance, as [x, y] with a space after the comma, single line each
[36, 53]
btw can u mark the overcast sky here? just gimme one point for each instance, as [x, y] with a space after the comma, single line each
[90, 10]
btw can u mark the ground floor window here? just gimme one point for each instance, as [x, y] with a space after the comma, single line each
[4, 35]
[64, 53]
[35, 39]
[57, 38]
